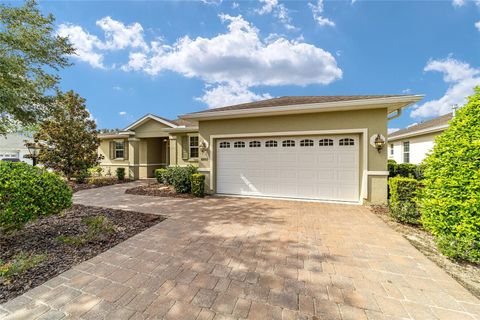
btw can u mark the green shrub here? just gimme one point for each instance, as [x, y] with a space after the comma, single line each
[419, 171]
[406, 170]
[198, 185]
[450, 201]
[163, 176]
[181, 178]
[28, 192]
[81, 177]
[402, 199]
[120, 173]
[392, 168]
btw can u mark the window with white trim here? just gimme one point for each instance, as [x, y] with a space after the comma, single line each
[193, 146]
[406, 152]
[288, 143]
[254, 144]
[239, 144]
[347, 142]
[224, 144]
[271, 144]
[119, 149]
[391, 149]
[325, 142]
[306, 143]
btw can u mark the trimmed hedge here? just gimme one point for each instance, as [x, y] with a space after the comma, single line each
[120, 173]
[392, 168]
[406, 170]
[180, 178]
[163, 176]
[198, 185]
[402, 199]
[27, 193]
[450, 200]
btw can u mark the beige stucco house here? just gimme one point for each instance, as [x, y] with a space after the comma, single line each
[315, 147]
[414, 143]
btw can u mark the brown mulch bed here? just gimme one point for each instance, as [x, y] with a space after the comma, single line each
[467, 274]
[95, 183]
[40, 238]
[156, 189]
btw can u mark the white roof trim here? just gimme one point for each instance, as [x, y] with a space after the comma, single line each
[394, 102]
[148, 117]
[419, 132]
[181, 129]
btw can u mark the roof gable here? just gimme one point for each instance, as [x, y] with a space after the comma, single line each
[421, 128]
[148, 117]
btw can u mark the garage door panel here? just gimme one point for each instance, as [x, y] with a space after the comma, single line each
[308, 171]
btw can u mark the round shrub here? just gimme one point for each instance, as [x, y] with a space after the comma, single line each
[120, 173]
[450, 200]
[198, 185]
[181, 178]
[28, 192]
[163, 176]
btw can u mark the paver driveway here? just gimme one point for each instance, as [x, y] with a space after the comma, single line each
[228, 258]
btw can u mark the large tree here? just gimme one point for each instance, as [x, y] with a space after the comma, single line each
[30, 55]
[68, 138]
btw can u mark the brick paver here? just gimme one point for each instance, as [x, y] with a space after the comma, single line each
[235, 258]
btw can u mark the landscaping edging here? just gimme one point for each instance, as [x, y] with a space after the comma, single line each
[468, 275]
[41, 237]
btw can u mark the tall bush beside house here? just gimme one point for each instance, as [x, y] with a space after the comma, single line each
[198, 185]
[403, 192]
[120, 174]
[27, 193]
[181, 178]
[450, 200]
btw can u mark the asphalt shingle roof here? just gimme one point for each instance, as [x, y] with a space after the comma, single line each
[442, 120]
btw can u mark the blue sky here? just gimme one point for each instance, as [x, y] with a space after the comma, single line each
[175, 57]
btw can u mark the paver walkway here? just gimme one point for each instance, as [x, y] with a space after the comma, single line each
[229, 258]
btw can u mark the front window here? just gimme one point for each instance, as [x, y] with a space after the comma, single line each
[406, 152]
[193, 147]
[391, 149]
[119, 150]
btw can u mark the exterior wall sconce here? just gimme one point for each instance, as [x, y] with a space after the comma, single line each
[204, 146]
[377, 141]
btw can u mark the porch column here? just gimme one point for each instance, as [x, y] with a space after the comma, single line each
[173, 151]
[134, 157]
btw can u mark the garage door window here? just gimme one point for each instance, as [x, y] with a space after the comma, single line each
[224, 144]
[239, 144]
[255, 144]
[306, 143]
[288, 143]
[325, 142]
[271, 144]
[347, 142]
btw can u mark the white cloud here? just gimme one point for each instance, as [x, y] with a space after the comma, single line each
[122, 113]
[317, 11]
[477, 25]
[118, 36]
[462, 79]
[241, 56]
[84, 43]
[268, 6]
[392, 130]
[229, 94]
[117, 88]
[458, 3]
[235, 5]
[407, 91]
[212, 2]
[279, 11]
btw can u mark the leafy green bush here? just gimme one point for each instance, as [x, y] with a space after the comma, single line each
[181, 178]
[450, 200]
[406, 170]
[198, 185]
[419, 171]
[164, 176]
[402, 199]
[392, 168]
[27, 193]
[81, 177]
[120, 173]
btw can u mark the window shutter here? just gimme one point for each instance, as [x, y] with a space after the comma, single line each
[125, 149]
[112, 150]
[185, 147]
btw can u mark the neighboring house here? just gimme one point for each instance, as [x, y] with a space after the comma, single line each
[12, 146]
[412, 144]
[317, 147]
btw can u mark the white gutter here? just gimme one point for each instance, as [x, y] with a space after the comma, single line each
[419, 132]
[180, 129]
[397, 102]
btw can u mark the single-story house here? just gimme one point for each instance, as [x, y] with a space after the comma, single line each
[12, 146]
[412, 144]
[302, 147]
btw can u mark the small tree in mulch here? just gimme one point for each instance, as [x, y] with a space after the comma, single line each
[450, 200]
[68, 138]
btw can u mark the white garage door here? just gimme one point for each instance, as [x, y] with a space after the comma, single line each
[317, 167]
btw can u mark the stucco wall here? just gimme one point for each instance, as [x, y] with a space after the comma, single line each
[150, 129]
[176, 150]
[420, 146]
[374, 120]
